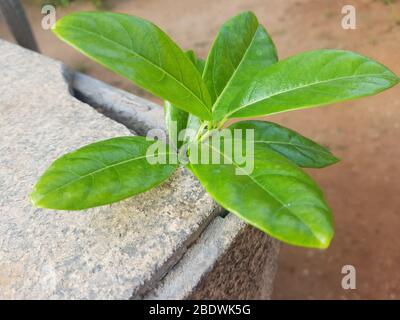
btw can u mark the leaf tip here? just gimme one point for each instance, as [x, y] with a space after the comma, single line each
[324, 239]
[325, 242]
[35, 198]
[248, 13]
[56, 27]
[333, 160]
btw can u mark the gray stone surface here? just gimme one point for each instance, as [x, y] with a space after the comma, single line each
[135, 113]
[166, 243]
[246, 270]
[111, 252]
[199, 260]
[229, 261]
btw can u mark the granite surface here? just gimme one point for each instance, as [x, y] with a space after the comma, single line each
[110, 252]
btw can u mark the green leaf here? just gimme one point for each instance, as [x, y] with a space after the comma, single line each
[300, 150]
[241, 48]
[141, 52]
[306, 80]
[198, 62]
[101, 173]
[276, 196]
[176, 119]
[193, 124]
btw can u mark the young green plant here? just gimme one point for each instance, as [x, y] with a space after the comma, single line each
[241, 78]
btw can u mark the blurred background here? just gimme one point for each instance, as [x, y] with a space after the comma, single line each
[364, 188]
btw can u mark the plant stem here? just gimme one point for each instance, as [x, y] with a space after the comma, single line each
[200, 131]
[206, 135]
[221, 124]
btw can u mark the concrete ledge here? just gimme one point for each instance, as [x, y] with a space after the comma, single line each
[135, 113]
[245, 270]
[132, 249]
[229, 261]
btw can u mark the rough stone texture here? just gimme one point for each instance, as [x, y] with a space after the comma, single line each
[110, 252]
[200, 259]
[166, 243]
[135, 113]
[229, 261]
[245, 271]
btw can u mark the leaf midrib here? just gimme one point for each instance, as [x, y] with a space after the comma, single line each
[235, 71]
[182, 84]
[81, 177]
[267, 191]
[377, 75]
[293, 144]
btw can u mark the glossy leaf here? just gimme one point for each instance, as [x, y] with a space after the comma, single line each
[306, 80]
[198, 62]
[300, 150]
[277, 197]
[193, 124]
[241, 78]
[177, 119]
[99, 174]
[141, 52]
[241, 48]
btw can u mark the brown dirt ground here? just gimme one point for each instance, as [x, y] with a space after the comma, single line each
[363, 189]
